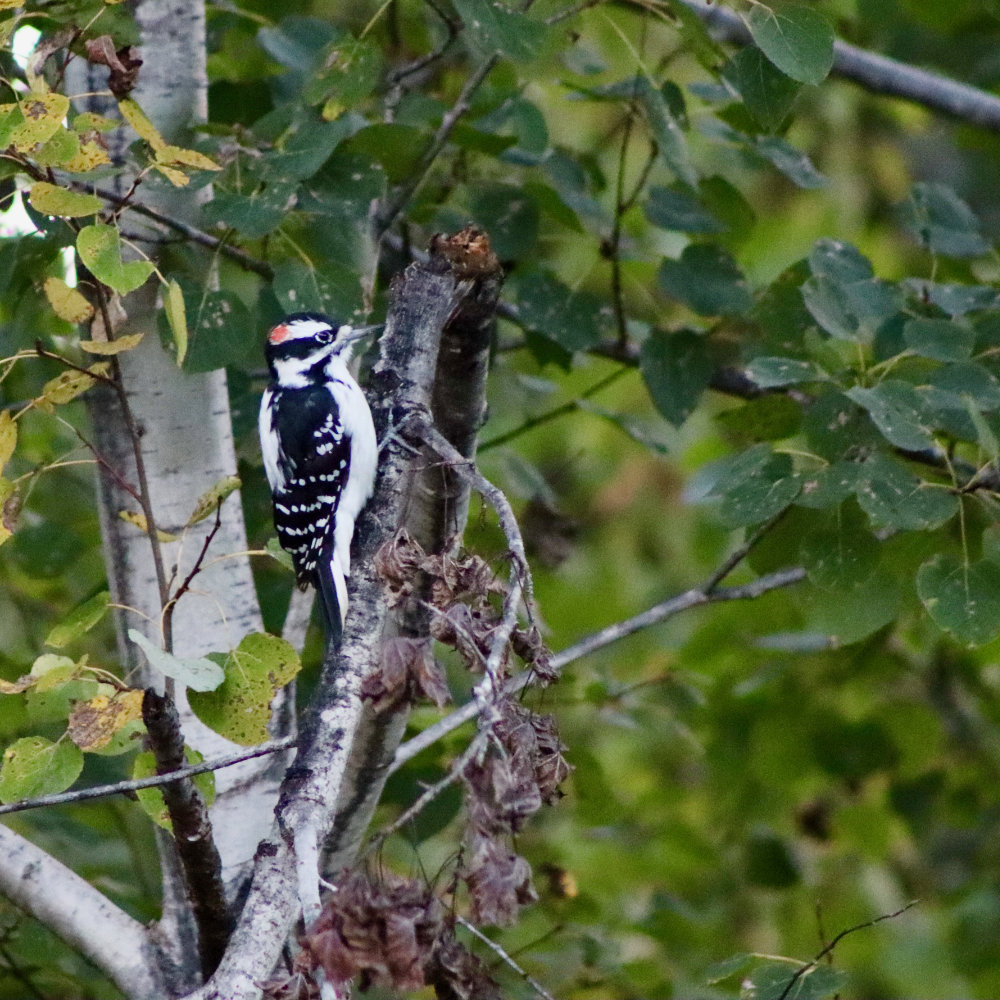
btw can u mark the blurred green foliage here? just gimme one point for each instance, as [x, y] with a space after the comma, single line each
[751, 777]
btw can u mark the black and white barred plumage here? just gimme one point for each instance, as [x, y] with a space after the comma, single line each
[320, 452]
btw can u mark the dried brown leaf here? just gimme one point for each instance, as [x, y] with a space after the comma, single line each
[122, 63]
[384, 933]
[499, 882]
[398, 563]
[408, 671]
[457, 974]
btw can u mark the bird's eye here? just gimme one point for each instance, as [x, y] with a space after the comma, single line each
[324, 336]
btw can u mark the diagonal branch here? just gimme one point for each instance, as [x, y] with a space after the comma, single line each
[877, 73]
[708, 593]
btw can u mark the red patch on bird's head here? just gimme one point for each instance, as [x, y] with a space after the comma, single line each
[278, 334]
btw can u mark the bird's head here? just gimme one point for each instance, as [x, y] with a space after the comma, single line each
[300, 346]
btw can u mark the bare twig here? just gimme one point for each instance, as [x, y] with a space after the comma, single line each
[505, 957]
[392, 208]
[167, 615]
[828, 949]
[195, 235]
[155, 781]
[558, 411]
[605, 637]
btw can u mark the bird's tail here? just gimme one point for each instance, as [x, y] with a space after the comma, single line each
[333, 594]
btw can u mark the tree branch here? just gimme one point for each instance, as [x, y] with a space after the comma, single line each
[708, 593]
[423, 298]
[877, 73]
[154, 781]
[82, 916]
[192, 831]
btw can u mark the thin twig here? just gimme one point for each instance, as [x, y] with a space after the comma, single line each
[167, 615]
[828, 949]
[428, 795]
[605, 637]
[559, 411]
[137, 784]
[241, 257]
[392, 208]
[505, 957]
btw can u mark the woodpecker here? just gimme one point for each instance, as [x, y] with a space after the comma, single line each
[320, 452]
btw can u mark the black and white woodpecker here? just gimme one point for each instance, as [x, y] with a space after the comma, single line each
[320, 452]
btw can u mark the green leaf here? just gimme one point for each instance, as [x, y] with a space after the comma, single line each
[840, 261]
[968, 380]
[51, 199]
[770, 417]
[942, 222]
[796, 38]
[668, 134]
[151, 799]
[217, 324]
[494, 27]
[962, 598]
[768, 861]
[197, 674]
[330, 290]
[552, 309]
[761, 496]
[396, 148]
[792, 162]
[827, 303]
[893, 497]
[510, 215]
[255, 214]
[696, 36]
[681, 211]
[939, 339]
[854, 613]
[100, 249]
[307, 149]
[240, 708]
[897, 411]
[852, 750]
[349, 72]
[35, 766]
[771, 373]
[718, 971]
[707, 280]
[767, 92]
[173, 306]
[842, 556]
[81, 619]
[771, 982]
[676, 368]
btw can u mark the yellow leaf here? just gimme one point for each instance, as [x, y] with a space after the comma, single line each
[91, 154]
[67, 303]
[212, 498]
[43, 114]
[92, 724]
[8, 437]
[117, 346]
[70, 384]
[176, 177]
[177, 318]
[51, 199]
[136, 117]
[187, 157]
[17, 687]
[137, 519]
[11, 4]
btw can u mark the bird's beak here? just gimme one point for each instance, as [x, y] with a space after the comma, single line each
[358, 332]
